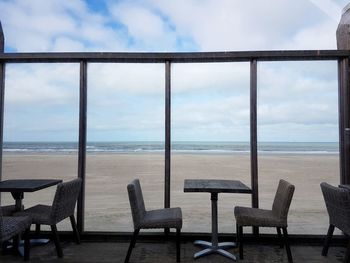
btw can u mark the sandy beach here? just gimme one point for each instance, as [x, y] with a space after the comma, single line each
[107, 206]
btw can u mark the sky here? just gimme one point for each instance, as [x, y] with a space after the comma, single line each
[297, 101]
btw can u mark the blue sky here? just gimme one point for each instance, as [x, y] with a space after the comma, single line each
[297, 101]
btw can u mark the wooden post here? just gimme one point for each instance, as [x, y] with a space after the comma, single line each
[167, 135]
[343, 37]
[2, 96]
[82, 143]
[344, 122]
[254, 137]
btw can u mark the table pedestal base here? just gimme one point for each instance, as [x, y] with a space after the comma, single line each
[211, 249]
[7, 246]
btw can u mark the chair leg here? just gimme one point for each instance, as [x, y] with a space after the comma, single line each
[240, 241]
[37, 229]
[3, 246]
[166, 233]
[286, 242]
[347, 254]
[27, 244]
[178, 233]
[132, 244]
[328, 240]
[280, 237]
[75, 229]
[57, 241]
[15, 244]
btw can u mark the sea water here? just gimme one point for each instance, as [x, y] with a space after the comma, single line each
[176, 147]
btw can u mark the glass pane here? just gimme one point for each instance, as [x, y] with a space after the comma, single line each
[125, 141]
[40, 126]
[210, 138]
[298, 138]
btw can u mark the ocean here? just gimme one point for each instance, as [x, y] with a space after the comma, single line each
[176, 147]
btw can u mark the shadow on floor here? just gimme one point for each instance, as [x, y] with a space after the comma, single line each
[165, 252]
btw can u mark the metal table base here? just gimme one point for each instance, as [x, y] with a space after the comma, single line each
[211, 249]
[214, 246]
[214, 187]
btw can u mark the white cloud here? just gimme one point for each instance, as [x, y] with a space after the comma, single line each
[224, 112]
[35, 26]
[67, 44]
[298, 94]
[141, 22]
[46, 85]
[209, 25]
[41, 102]
[147, 29]
[332, 9]
[136, 79]
[205, 97]
[292, 132]
[320, 36]
[217, 77]
[243, 25]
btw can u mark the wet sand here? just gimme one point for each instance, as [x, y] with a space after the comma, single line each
[107, 206]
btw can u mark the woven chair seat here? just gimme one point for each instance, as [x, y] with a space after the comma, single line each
[337, 201]
[246, 216]
[158, 218]
[40, 214]
[62, 207]
[12, 225]
[338, 206]
[8, 210]
[162, 218]
[275, 217]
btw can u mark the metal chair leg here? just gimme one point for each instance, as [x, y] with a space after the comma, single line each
[15, 243]
[3, 247]
[57, 241]
[75, 229]
[132, 244]
[347, 254]
[240, 242]
[37, 229]
[286, 242]
[327, 240]
[178, 232]
[280, 237]
[27, 244]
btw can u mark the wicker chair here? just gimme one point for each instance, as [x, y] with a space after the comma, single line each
[277, 217]
[160, 218]
[338, 206]
[8, 210]
[11, 227]
[62, 207]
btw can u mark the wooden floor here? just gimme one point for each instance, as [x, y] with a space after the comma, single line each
[165, 252]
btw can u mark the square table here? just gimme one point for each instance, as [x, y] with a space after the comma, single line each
[214, 187]
[18, 187]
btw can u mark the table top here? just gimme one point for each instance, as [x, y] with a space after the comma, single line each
[345, 186]
[26, 185]
[216, 186]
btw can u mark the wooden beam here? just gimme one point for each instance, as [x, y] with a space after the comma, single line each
[344, 120]
[2, 40]
[253, 137]
[82, 144]
[2, 98]
[179, 57]
[167, 134]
